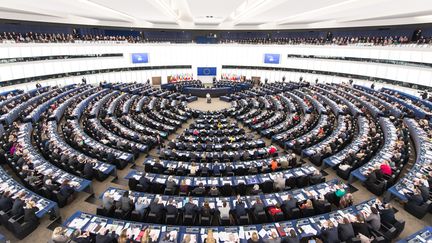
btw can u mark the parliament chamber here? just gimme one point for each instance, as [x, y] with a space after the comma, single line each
[118, 127]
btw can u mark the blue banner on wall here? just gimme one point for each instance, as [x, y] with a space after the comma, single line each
[206, 71]
[139, 57]
[271, 58]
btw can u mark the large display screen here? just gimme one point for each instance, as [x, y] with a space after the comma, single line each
[271, 58]
[140, 58]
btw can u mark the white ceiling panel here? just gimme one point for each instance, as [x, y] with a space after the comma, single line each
[221, 14]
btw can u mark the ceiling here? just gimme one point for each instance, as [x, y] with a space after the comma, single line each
[221, 14]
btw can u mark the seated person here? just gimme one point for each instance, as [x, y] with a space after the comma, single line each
[214, 191]
[144, 182]
[385, 168]
[224, 210]
[30, 211]
[387, 214]
[59, 235]
[257, 207]
[170, 185]
[81, 237]
[274, 165]
[200, 190]
[157, 208]
[66, 190]
[125, 203]
[141, 205]
[319, 204]
[361, 227]
[171, 207]
[190, 208]
[374, 219]
[346, 201]
[6, 202]
[275, 209]
[18, 205]
[292, 237]
[345, 229]
[206, 211]
[184, 188]
[279, 182]
[107, 201]
[307, 205]
[256, 190]
[290, 203]
[240, 208]
[315, 178]
[414, 197]
[329, 233]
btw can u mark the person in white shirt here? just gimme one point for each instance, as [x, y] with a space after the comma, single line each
[224, 211]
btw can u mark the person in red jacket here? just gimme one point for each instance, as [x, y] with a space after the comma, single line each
[385, 168]
[272, 150]
[273, 210]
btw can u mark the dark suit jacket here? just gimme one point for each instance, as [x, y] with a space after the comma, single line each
[388, 215]
[240, 209]
[346, 232]
[190, 208]
[290, 239]
[88, 170]
[145, 182]
[30, 215]
[108, 238]
[424, 192]
[18, 207]
[361, 228]
[6, 203]
[290, 204]
[330, 235]
[171, 210]
[414, 198]
[156, 208]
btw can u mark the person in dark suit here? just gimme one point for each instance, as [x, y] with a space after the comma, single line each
[66, 189]
[415, 197]
[158, 166]
[171, 208]
[290, 203]
[18, 205]
[156, 207]
[315, 178]
[88, 170]
[371, 178]
[144, 182]
[190, 207]
[206, 211]
[240, 209]
[106, 237]
[319, 204]
[330, 234]
[229, 169]
[361, 227]
[30, 211]
[200, 190]
[216, 169]
[388, 214]
[6, 202]
[424, 192]
[345, 229]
